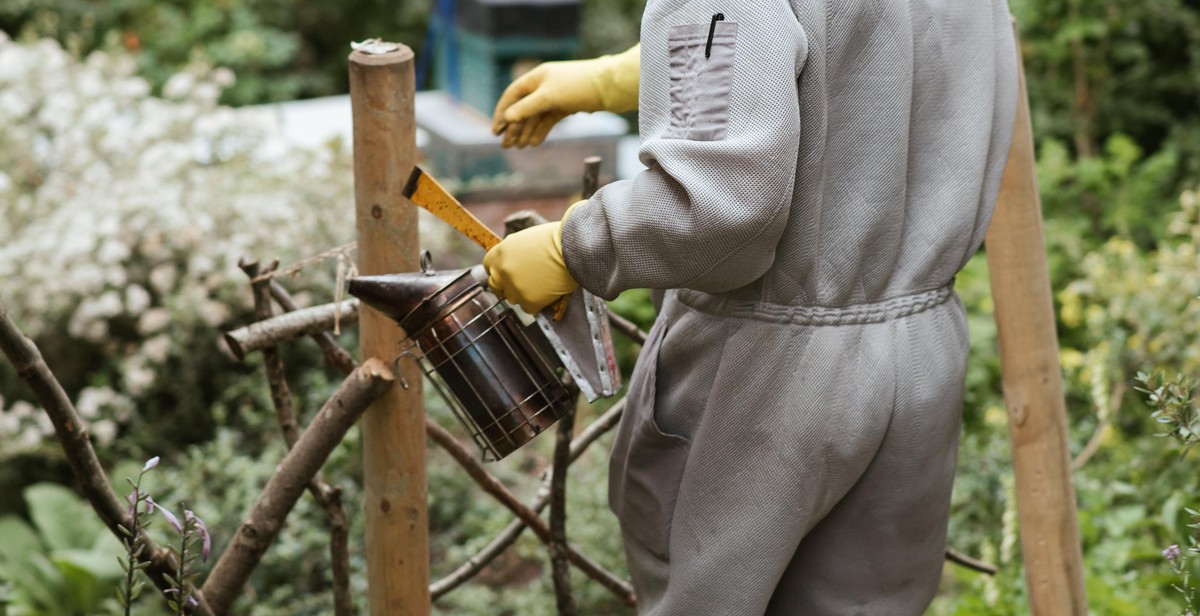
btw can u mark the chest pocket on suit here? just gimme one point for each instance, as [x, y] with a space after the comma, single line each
[701, 74]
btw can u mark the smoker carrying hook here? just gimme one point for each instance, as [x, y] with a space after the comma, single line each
[409, 345]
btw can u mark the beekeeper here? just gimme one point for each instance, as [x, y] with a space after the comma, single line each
[817, 174]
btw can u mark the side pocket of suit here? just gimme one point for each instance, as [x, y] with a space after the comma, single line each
[647, 463]
[701, 76]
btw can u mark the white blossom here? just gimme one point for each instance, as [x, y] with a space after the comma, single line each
[93, 402]
[105, 431]
[214, 313]
[162, 278]
[223, 77]
[9, 424]
[153, 321]
[157, 348]
[138, 377]
[179, 85]
[118, 207]
[88, 402]
[43, 423]
[137, 299]
[22, 409]
[30, 437]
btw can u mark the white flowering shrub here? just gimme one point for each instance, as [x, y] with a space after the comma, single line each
[122, 219]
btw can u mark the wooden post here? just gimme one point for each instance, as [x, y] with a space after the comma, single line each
[393, 429]
[1033, 391]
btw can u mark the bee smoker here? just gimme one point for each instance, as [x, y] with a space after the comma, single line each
[499, 380]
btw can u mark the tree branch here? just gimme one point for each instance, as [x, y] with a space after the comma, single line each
[560, 568]
[335, 355]
[72, 434]
[509, 535]
[626, 327]
[281, 396]
[493, 486]
[958, 558]
[329, 498]
[303, 322]
[260, 527]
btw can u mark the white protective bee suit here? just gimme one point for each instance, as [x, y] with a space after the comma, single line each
[814, 183]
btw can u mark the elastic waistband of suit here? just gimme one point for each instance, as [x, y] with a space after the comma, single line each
[855, 314]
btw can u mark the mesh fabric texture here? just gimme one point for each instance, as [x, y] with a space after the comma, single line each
[792, 426]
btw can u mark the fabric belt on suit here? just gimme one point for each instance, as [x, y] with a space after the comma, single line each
[854, 314]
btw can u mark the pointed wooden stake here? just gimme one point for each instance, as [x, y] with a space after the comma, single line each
[1033, 390]
[393, 429]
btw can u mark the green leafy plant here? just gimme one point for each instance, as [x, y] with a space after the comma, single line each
[1174, 406]
[1175, 409]
[63, 562]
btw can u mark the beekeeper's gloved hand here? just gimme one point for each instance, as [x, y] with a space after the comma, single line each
[537, 100]
[527, 267]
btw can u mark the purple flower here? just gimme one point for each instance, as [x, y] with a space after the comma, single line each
[166, 514]
[132, 509]
[1171, 553]
[204, 551]
[151, 463]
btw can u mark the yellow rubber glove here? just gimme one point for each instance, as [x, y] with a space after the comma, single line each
[527, 267]
[537, 100]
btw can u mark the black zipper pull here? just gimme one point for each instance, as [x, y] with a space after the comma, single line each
[712, 29]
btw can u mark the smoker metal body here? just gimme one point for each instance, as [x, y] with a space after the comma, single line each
[500, 381]
[576, 326]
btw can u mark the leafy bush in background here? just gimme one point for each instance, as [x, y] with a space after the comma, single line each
[1101, 68]
[1128, 311]
[124, 216]
[280, 49]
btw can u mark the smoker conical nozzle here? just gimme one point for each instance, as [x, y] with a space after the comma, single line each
[392, 294]
[404, 297]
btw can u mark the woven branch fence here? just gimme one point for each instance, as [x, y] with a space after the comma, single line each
[571, 443]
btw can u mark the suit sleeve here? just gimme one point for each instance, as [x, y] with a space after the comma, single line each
[721, 130]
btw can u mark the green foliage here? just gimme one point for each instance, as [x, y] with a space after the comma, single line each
[1176, 410]
[1122, 310]
[1110, 85]
[636, 306]
[280, 49]
[1118, 192]
[609, 26]
[1174, 406]
[63, 562]
[1099, 68]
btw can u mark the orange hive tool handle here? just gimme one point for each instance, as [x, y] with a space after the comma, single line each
[426, 193]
